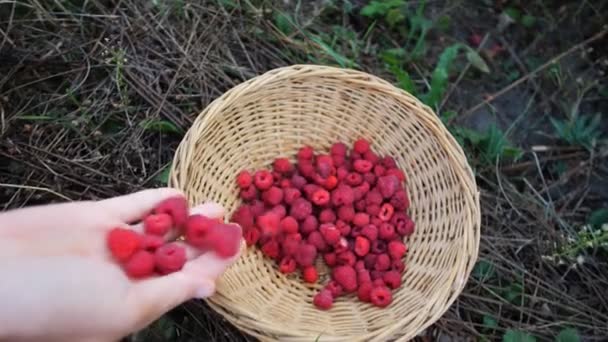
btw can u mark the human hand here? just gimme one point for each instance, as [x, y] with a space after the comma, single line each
[59, 282]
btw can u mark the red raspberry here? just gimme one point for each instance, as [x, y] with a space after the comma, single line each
[244, 179]
[400, 200]
[338, 148]
[372, 209]
[276, 178]
[335, 288]
[381, 296]
[291, 194]
[290, 244]
[324, 159]
[324, 170]
[263, 179]
[327, 216]
[287, 265]
[362, 246]
[279, 210]
[140, 265]
[356, 231]
[197, 230]
[309, 224]
[310, 189]
[364, 292]
[282, 165]
[269, 223]
[388, 185]
[353, 179]
[398, 265]
[310, 275]
[343, 228]
[370, 232]
[346, 213]
[396, 249]
[360, 206]
[305, 153]
[298, 181]
[330, 259]
[346, 277]
[157, 224]
[389, 163]
[383, 262]
[373, 197]
[285, 183]
[306, 255]
[362, 166]
[377, 277]
[338, 160]
[342, 195]
[170, 258]
[342, 173]
[316, 239]
[386, 231]
[151, 243]
[320, 197]
[176, 207]
[272, 196]
[355, 156]
[392, 279]
[252, 235]
[257, 208]
[363, 276]
[378, 246]
[271, 249]
[341, 246]
[243, 216]
[225, 239]
[371, 157]
[375, 221]
[306, 168]
[361, 146]
[407, 228]
[249, 193]
[379, 170]
[397, 173]
[300, 209]
[346, 258]
[386, 212]
[369, 178]
[323, 300]
[330, 233]
[359, 265]
[361, 219]
[330, 183]
[404, 225]
[370, 261]
[288, 225]
[361, 190]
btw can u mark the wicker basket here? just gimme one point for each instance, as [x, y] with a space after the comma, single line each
[276, 113]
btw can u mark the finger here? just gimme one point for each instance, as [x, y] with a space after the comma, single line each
[208, 266]
[132, 207]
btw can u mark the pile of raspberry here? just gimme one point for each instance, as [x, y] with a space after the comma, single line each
[156, 251]
[348, 208]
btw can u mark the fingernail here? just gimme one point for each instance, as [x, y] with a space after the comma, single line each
[205, 290]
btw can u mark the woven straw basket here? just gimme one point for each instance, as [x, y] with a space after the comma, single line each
[276, 113]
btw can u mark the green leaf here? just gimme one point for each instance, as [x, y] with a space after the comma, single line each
[528, 21]
[162, 126]
[447, 116]
[475, 59]
[283, 22]
[339, 58]
[443, 23]
[163, 176]
[394, 17]
[489, 323]
[517, 336]
[440, 75]
[484, 270]
[568, 335]
[514, 13]
[403, 79]
[598, 218]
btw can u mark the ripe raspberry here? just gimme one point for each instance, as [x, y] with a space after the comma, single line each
[306, 168]
[370, 178]
[290, 244]
[407, 228]
[309, 190]
[372, 209]
[224, 239]
[257, 208]
[389, 163]
[276, 178]
[157, 224]
[381, 296]
[287, 265]
[375, 221]
[323, 300]
[140, 265]
[342, 195]
[342, 173]
[170, 258]
[269, 223]
[361, 146]
[388, 185]
[123, 243]
[362, 166]
[249, 193]
[398, 265]
[320, 197]
[339, 149]
[324, 170]
[355, 156]
[272, 196]
[335, 288]
[361, 219]
[176, 207]
[404, 225]
[400, 200]
[360, 206]
[353, 179]
[310, 275]
[362, 246]
[346, 258]
[341, 246]
[330, 233]
[327, 216]
[364, 292]
[343, 227]
[359, 265]
[243, 216]
[397, 173]
[356, 231]
[370, 261]
[282, 165]
[316, 239]
[346, 277]
[338, 160]
[300, 209]
[285, 183]
[363, 276]
[305, 153]
[330, 259]
[252, 235]
[305, 255]
[379, 170]
[386, 212]
[271, 249]
[383, 262]
[330, 182]
[263, 179]
[346, 213]
[290, 195]
[361, 190]
[379, 281]
[288, 225]
[324, 159]
[244, 179]
[377, 277]
[151, 243]
[279, 210]
[370, 232]
[309, 224]
[298, 181]
[386, 231]
[378, 246]
[373, 197]
[371, 157]
[396, 249]
[392, 279]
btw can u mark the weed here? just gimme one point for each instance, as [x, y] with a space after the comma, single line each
[568, 335]
[593, 235]
[579, 130]
[517, 336]
[162, 126]
[489, 145]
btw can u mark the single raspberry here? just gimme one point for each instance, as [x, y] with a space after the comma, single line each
[362, 246]
[291, 194]
[287, 265]
[342, 172]
[381, 296]
[359, 265]
[392, 279]
[249, 193]
[338, 160]
[176, 207]
[383, 262]
[324, 159]
[330, 259]
[324, 170]
[298, 181]
[170, 258]
[276, 178]
[361, 190]
[225, 239]
[140, 265]
[362, 166]
[327, 216]
[378, 246]
[355, 156]
[330, 233]
[305, 153]
[300, 209]
[290, 244]
[285, 183]
[346, 258]
[330, 182]
[269, 223]
[157, 224]
[353, 179]
[361, 146]
[123, 243]
[323, 300]
[335, 288]
[377, 277]
[257, 207]
[396, 249]
[279, 210]
[282, 165]
[386, 212]
[306, 168]
[309, 224]
[342, 195]
[364, 292]
[288, 225]
[407, 228]
[263, 179]
[338, 148]
[243, 216]
[400, 200]
[341, 246]
[343, 227]
[320, 197]
[370, 232]
[271, 249]
[361, 219]
[305, 255]
[386, 231]
[252, 235]
[316, 239]
[375, 221]
[346, 277]
[360, 206]
[356, 231]
[151, 243]
[372, 209]
[371, 157]
[310, 275]
[398, 265]
[363, 276]
[346, 213]
[389, 163]
[397, 173]
[310, 189]
[370, 178]
[388, 185]
[373, 197]
[379, 170]
[370, 261]
[244, 179]
[272, 196]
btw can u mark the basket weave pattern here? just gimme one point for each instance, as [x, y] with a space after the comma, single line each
[276, 113]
